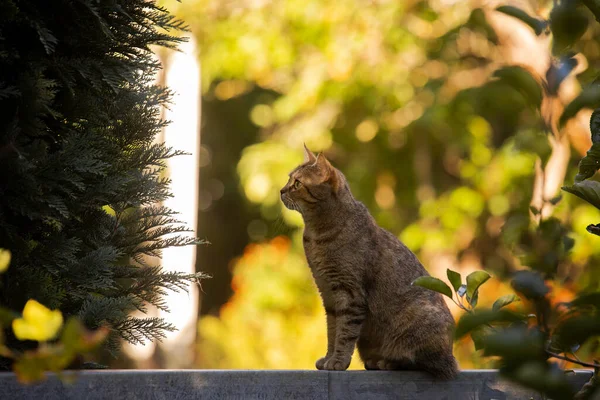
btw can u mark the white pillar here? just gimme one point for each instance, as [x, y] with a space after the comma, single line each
[183, 133]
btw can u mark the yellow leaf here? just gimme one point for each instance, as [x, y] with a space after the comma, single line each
[4, 259]
[38, 323]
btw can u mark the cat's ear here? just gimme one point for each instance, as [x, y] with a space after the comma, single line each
[309, 157]
[323, 163]
[332, 176]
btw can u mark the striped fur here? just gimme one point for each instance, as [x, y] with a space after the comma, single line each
[364, 276]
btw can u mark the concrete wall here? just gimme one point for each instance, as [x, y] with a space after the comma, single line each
[267, 385]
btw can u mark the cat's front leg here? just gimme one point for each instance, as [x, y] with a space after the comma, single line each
[349, 316]
[330, 338]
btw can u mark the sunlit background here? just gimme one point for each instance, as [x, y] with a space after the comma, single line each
[400, 96]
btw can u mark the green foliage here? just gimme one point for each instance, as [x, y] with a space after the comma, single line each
[504, 301]
[543, 247]
[454, 278]
[435, 284]
[522, 81]
[38, 323]
[588, 98]
[588, 164]
[474, 280]
[542, 376]
[471, 289]
[530, 284]
[81, 172]
[586, 190]
[74, 341]
[471, 321]
[568, 24]
[441, 149]
[523, 347]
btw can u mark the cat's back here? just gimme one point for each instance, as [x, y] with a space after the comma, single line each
[394, 257]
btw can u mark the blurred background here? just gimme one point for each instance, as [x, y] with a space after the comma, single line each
[401, 97]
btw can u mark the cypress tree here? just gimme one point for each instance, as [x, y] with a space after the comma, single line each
[81, 176]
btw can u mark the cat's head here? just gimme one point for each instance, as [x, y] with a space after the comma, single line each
[312, 183]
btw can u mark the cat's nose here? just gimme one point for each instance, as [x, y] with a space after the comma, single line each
[282, 191]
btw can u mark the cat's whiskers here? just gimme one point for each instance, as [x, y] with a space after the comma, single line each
[297, 206]
[279, 226]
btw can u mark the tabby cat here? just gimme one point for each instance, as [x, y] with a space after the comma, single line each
[364, 276]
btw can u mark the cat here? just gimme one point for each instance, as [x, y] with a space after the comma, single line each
[364, 276]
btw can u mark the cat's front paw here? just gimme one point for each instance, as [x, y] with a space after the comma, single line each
[320, 364]
[337, 363]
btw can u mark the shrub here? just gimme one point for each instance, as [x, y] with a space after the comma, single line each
[81, 173]
[528, 338]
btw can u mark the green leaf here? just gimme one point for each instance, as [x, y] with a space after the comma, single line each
[555, 200]
[568, 243]
[522, 81]
[567, 24]
[473, 301]
[590, 299]
[589, 164]
[46, 37]
[552, 232]
[595, 126]
[540, 376]
[454, 278]
[474, 280]
[588, 98]
[504, 301]
[575, 331]
[435, 284]
[530, 284]
[471, 321]
[478, 336]
[593, 229]
[586, 190]
[537, 25]
[515, 343]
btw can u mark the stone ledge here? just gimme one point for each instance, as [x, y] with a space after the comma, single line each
[270, 385]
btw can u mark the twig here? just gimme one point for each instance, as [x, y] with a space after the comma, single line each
[582, 363]
[459, 305]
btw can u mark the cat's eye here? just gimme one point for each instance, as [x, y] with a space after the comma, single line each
[297, 184]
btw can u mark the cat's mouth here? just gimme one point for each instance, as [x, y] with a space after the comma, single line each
[289, 203]
[286, 201]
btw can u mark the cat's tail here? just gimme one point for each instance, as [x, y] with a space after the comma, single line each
[441, 365]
